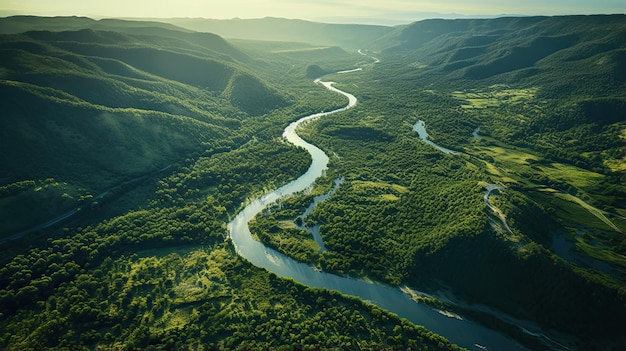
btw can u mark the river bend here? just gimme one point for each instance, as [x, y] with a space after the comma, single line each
[462, 332]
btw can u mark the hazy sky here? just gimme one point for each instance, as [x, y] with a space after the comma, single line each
[304, 9]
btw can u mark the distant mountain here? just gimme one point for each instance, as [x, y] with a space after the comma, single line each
[484, 48]
[20, 24]
[150, 32]
[401, 17]
[281, 29]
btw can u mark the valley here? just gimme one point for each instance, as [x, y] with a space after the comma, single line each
[185, 177]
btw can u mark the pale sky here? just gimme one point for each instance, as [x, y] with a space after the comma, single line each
[304, 9]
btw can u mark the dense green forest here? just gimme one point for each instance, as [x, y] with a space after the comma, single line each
[155, 140]
[410, 214]
[128, 146]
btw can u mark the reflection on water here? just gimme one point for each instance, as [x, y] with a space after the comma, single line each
[315, 230]
[459, 331]
[420, 128]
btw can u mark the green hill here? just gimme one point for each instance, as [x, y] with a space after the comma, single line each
[94, 108]
[20, 24]
[126, 149]
[550, 55]
[479, 49]
[533, 104]
[144, 139]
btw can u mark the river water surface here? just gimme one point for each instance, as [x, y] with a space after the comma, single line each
[462, 332]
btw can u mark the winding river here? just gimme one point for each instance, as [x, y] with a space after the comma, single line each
[420, 128]
[462, 332]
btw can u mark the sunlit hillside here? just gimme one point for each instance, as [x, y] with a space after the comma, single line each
[471, 190]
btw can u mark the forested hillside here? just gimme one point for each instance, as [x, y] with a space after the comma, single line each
[94, 109]
[128, 147]
[536, 110]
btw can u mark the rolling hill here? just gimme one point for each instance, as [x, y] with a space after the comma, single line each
[21, 24]
[151, 136]
[128, 143]
[480, 49]
[96, 108]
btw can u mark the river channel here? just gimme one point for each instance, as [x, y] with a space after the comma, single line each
[462, 332]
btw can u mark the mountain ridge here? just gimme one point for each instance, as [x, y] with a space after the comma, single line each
[136, 103]
[156, 137]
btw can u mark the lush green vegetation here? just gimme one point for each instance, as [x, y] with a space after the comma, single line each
[156, 139]
[92, 111]
[157, 136]
[278, 227]
[409, 214]
[162, 276]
